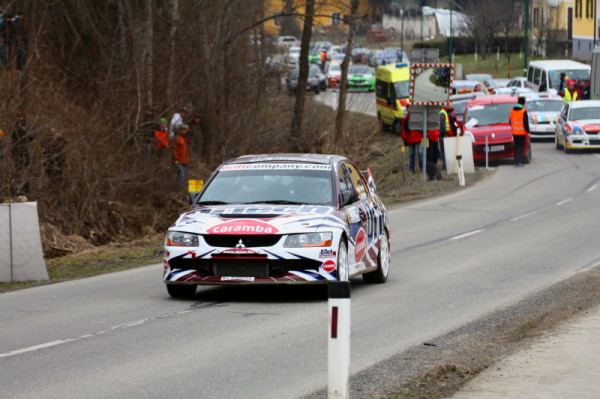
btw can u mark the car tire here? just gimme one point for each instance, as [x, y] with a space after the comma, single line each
[181, 291]
[380, 275]
[565, 149]
[342, 262]
[397, 127]
[316, 90]
[556, 144]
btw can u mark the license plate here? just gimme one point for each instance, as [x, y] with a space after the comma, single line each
[496, 148]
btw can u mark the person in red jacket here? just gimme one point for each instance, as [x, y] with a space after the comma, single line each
[413, 139]
[181, 153]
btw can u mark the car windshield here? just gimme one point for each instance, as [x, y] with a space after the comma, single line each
[402, 89]
[584, 113]
[459, 107]
[359, 69]
[335, 68]
[267, 183]
[489, 114]
[575, 74]
[544, 105]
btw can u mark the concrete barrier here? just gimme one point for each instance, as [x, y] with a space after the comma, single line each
[21, 255]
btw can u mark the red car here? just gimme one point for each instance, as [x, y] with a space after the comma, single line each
[487, 117]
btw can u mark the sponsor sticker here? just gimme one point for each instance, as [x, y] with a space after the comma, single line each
[239, 251]
[243, 226]
[361, 245]
[328, 266]
[328, 253]
[226, 278]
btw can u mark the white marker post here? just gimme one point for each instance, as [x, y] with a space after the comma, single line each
[338, 386]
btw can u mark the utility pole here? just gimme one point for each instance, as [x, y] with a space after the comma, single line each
[526, 36]
[402, 31]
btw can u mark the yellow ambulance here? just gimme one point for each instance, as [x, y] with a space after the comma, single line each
[392, 92]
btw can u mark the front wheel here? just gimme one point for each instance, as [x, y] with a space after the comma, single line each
[556, 143]
[342, 262]
[528, 156]
[181, 291]
[380, 275]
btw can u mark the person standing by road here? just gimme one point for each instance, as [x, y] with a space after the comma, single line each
[519, 123]
[448, 128]
[323, 59]
[160, 139]
[413, 140]
[570, 93]
[181, 153]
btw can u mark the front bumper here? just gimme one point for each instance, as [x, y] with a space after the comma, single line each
[496, 151]
[582, 141]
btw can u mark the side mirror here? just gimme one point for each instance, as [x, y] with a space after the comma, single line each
[347, 197]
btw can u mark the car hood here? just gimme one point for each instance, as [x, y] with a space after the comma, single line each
[494, 133]
[257, 219]
[586, 125]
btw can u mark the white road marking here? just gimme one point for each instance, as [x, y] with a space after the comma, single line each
[95, 334]
[458, 237]
[564, 201]
[595, 186]
[523, 216]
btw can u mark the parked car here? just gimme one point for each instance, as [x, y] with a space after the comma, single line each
[315, 83]
[279, 219]
[486, 119]
[401, 55]
[518, 82]
[543, 110]
[361, 77]
[293, 55]
[467, 86]
[479, 77]
[578, 126]
[287, 41]
[360, 55]
[493, 84]
[333, 73]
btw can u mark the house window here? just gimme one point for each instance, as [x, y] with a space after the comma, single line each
[578, 8]
[589, 8]
[536, 18]
[336, 18]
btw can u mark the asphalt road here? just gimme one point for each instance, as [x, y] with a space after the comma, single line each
[454, 259]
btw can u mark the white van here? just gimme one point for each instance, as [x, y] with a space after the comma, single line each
[545, 75]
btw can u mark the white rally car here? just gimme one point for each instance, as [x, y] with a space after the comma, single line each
[578, 126]
[279, 219]
[543, 110]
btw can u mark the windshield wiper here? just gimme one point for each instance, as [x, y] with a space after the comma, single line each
[211, 203]
[275, 202]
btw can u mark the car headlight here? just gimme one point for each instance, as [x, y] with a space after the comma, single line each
[179, 239]
[308, 240]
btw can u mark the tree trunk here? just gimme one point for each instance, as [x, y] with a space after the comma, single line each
[173, 21]
[341, 111]
[148, 53]
[296, 130]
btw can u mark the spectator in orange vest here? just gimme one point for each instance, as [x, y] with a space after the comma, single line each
[519, 123]
[160, 142]
[181, 153]
[323, 59]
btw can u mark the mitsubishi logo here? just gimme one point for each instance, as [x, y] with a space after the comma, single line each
[240, 244]
[493, 135]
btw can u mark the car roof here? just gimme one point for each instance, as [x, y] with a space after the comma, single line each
[467, 96]
[494, 99]
[466, 82]
[323, 159]
[542, 96]
[585, 104]
[559, 64]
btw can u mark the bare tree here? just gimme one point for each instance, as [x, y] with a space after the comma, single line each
[341, 111]
[296, 129]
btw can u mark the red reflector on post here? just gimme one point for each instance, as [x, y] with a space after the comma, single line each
[334, 321]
